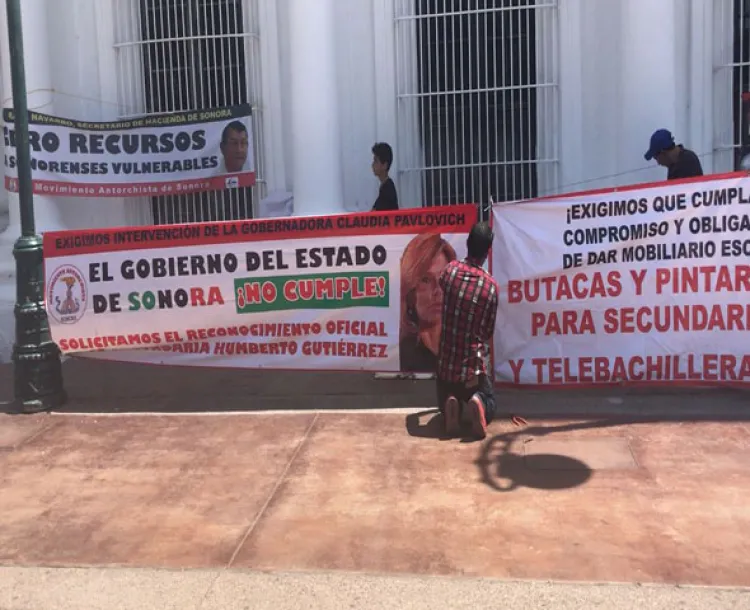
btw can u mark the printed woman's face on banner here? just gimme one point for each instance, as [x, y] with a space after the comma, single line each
[428, 295]
[422, 262]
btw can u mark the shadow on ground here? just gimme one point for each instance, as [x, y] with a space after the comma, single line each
[502, 463]
[99, 386]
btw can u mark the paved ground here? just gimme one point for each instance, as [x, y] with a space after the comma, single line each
[97, 589]
[304, 504]
[584, 501]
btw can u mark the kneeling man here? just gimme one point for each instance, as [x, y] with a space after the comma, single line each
[469, 310]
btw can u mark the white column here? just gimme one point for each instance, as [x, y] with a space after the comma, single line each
[721, 49]
[572, 152]
[40, 98]
[701, 81]
[270, 74]
[653, 82]
[358, 101]
[397, 56]
[316, 138]
[558, 36]
[47, 213]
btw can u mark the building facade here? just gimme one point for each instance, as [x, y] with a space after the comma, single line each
[482, 100]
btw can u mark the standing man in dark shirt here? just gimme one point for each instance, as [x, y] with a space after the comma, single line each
[382, 158]
[679, 161]
[469, 309]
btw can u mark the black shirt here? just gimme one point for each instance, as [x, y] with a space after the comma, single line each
[687, 165]
[387, 198]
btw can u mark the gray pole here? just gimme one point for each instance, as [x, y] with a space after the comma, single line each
[38, 383]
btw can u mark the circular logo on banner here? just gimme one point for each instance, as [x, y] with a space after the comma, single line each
[66, 295]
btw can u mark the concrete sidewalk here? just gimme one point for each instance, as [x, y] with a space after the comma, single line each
[97, 589]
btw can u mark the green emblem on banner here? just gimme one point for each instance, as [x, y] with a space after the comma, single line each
[322, 291]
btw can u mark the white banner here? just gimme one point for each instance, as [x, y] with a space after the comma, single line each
[640, 285]
[179, 153]
[349, 292]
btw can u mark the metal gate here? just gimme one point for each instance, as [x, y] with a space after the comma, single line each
[731, 83]
[477, 99]
[183, 55]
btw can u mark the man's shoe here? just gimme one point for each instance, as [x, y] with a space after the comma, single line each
[477, 416]
[452, 416]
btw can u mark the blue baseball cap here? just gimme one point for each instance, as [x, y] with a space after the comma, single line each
[660, 140]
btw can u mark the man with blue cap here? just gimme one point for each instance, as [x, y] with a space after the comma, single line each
[679, 161]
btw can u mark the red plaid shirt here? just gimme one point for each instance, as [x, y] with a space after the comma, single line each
[469, 310]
